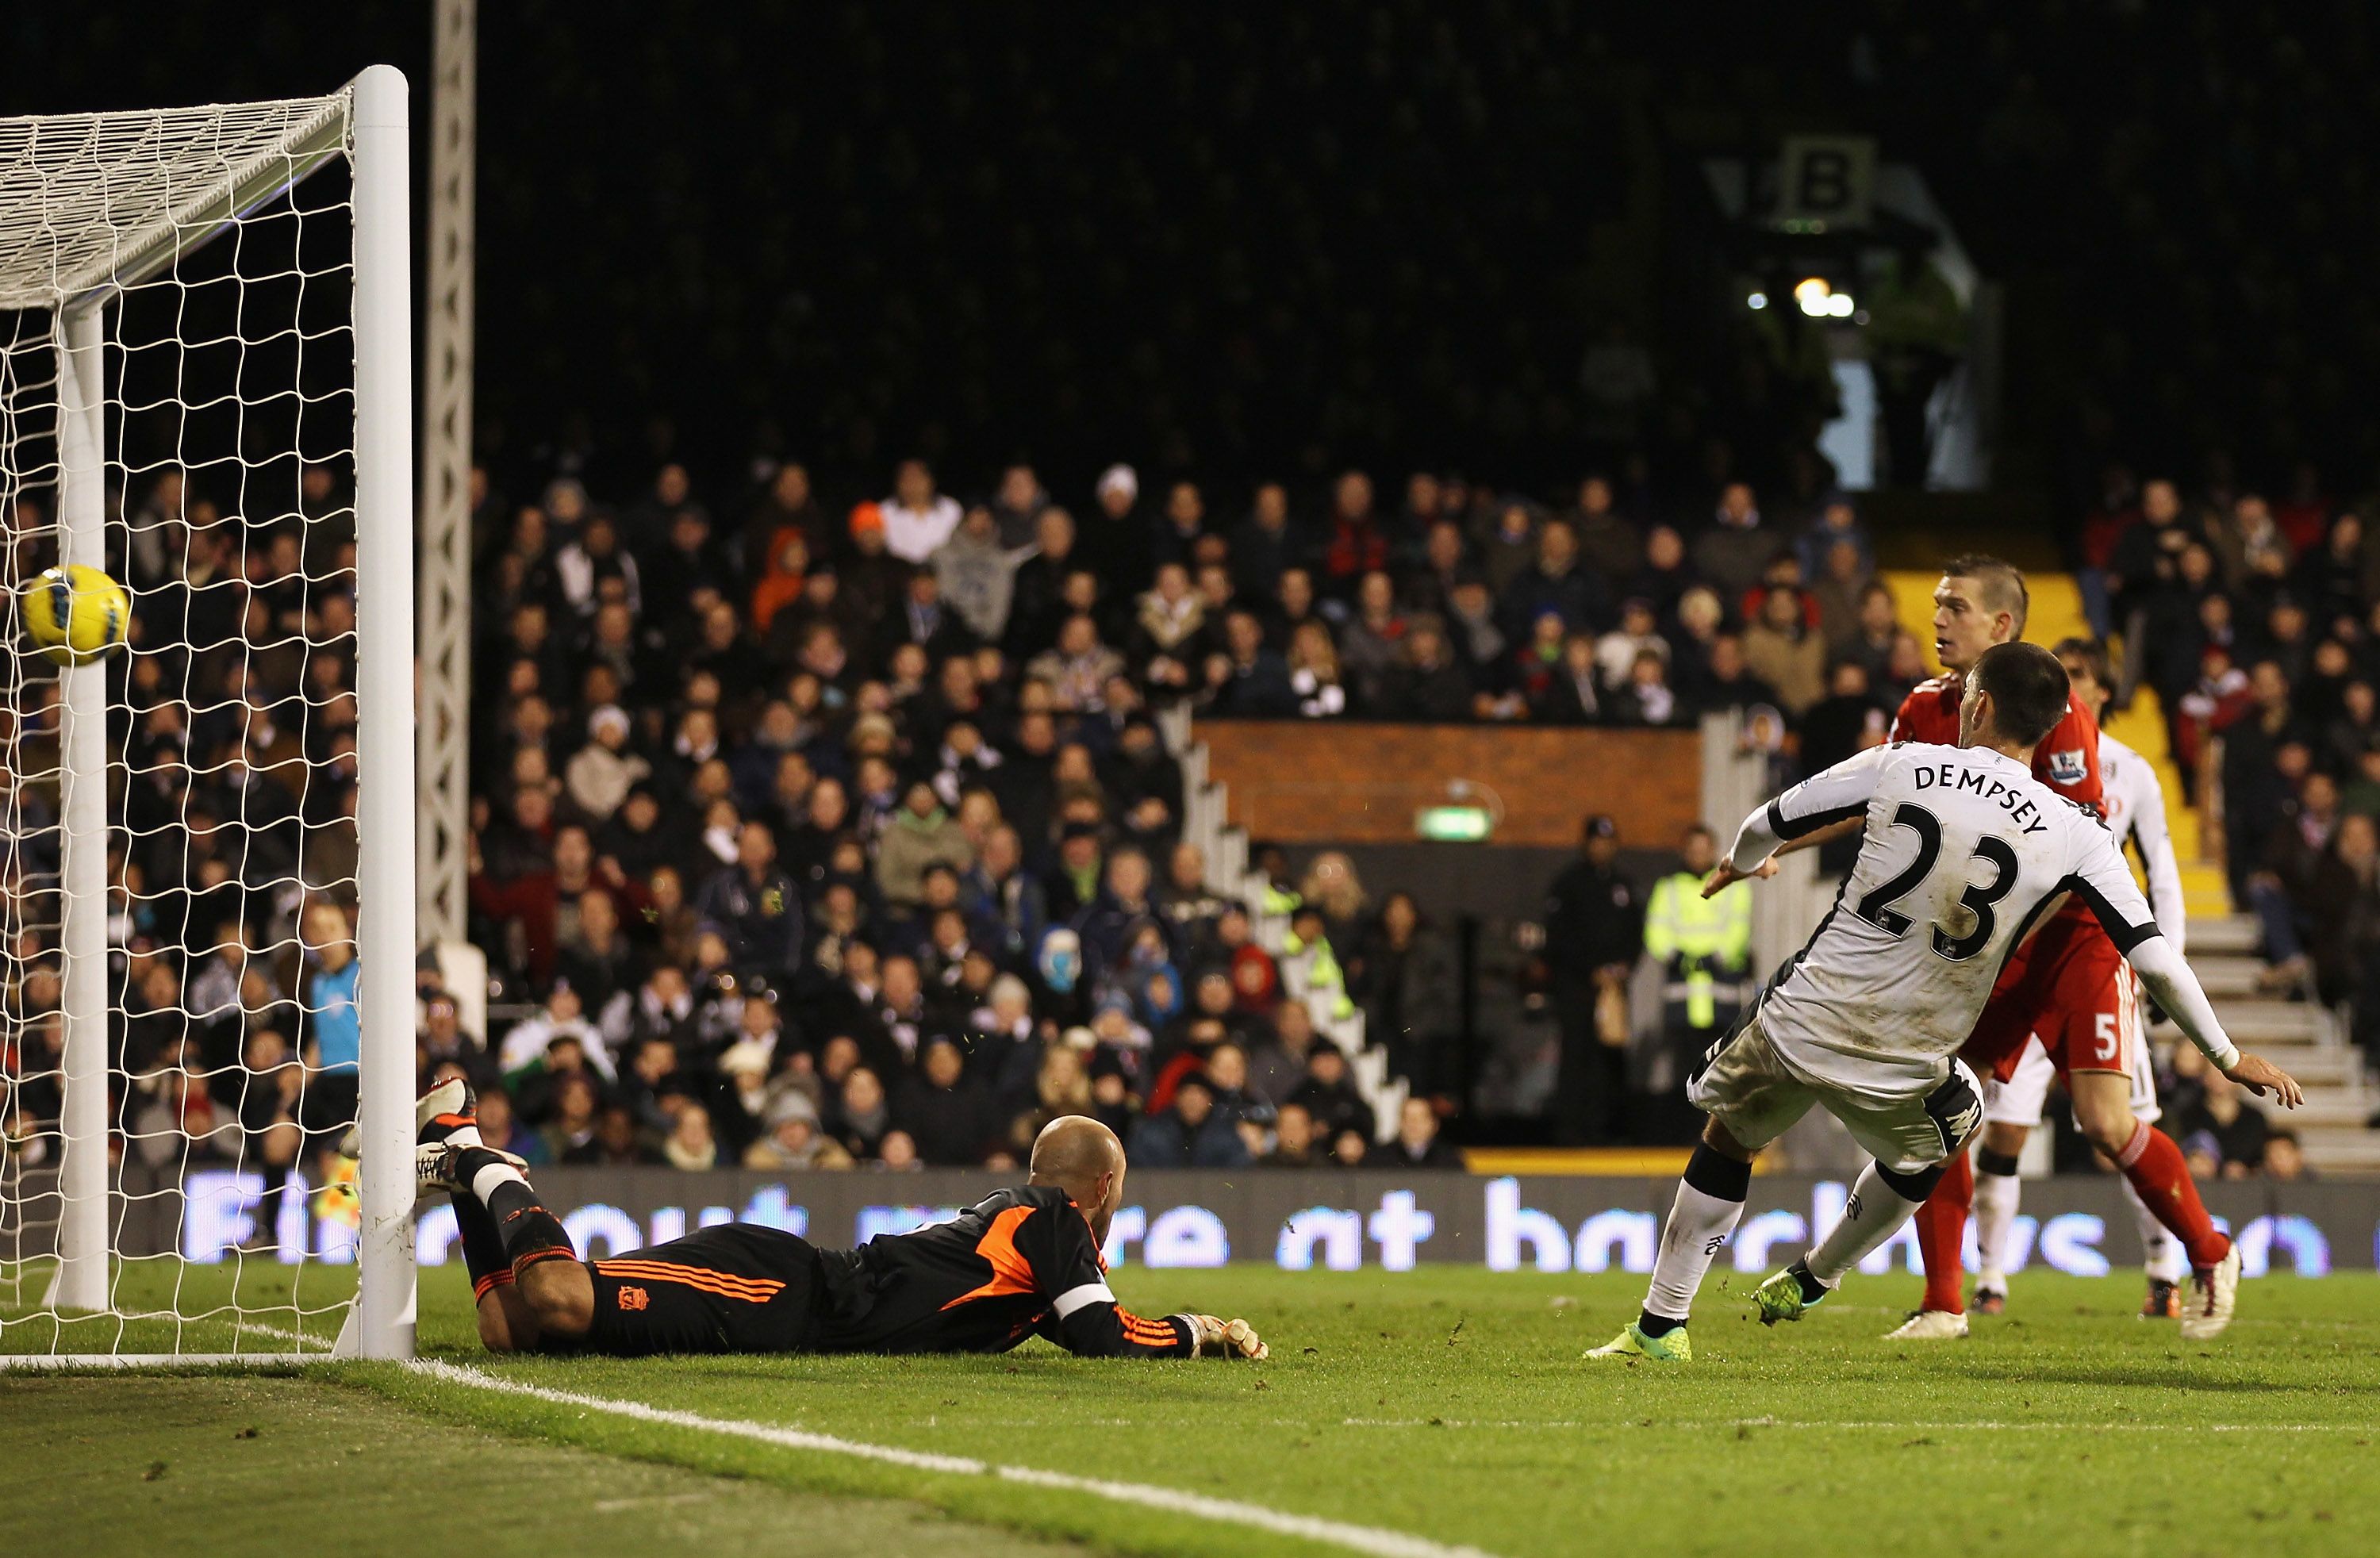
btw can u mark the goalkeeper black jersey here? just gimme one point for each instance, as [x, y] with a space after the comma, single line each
[1018, 1264]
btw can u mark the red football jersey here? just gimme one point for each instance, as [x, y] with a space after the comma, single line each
[2068, 760]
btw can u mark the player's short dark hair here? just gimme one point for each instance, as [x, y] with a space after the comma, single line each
[2028, 690]
[2003, 585]
[2092, 653]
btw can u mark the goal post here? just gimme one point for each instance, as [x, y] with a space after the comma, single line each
[207, 907]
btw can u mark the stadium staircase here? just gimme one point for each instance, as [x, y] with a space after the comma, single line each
[2303, 1036]
[1206, 823]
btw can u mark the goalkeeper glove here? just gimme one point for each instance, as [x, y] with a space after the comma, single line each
[1215, 1338]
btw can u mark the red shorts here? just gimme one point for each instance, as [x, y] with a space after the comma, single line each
[2069, 987]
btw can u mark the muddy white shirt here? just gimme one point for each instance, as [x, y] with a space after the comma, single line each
[1963, 850]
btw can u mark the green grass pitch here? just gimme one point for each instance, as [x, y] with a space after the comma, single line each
[1448, 1404]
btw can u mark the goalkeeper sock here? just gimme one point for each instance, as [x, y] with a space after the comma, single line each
[531, 1233]
[1997, 1193]
[1942, 1235]
[1881, 1201]
[2160, 1251]
[483, 1247]
[1711, 1201]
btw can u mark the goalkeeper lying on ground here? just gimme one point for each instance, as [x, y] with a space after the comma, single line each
[1020, 1263]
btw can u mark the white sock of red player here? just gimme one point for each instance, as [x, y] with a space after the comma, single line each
[1997, 1190]
[1881, 1201]
[2162, 1255]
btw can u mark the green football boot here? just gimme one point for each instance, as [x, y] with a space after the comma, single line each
[1782, 1298]
[1633, 1342]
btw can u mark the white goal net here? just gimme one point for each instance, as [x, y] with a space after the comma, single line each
[206, 904]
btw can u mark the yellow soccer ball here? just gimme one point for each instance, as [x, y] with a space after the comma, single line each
[76, 614]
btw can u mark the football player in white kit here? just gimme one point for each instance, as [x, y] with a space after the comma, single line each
[1964, 850]
[2135, 808]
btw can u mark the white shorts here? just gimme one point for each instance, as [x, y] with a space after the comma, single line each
[2019, 1100]
[1748, 1088]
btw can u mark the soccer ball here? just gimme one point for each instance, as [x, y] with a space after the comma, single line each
[76, 614]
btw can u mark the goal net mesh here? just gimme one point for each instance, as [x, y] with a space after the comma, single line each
[216, 246]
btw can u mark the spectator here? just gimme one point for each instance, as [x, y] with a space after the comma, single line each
[2284, 1159]
[861, 1116]
[1328, 1094]
[975, 575]
[1783, 650]
[1293, 1140]
[1704, 948]
[1735, 551]
[2220, 1134]
[1369, 642]
[756, 905]
[946, 1111]
[1403, 975]
[1190, 1134]
[795, 1140]
[922, 837]
[916, 519]
[1429, 682]
[690, 1145]
[1248, 679]
[1418, 1145]
[1594, 932]
[1314, 672]
[1555, 585]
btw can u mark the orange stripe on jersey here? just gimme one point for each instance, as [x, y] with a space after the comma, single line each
[1011, 1272]
[731, 1278]
[1149, 1333]
[752, 1290]
[702, 1276]
[683, 1279]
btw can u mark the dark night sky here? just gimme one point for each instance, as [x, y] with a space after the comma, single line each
[1275, 240]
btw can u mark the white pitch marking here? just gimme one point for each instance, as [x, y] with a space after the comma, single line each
[286, 1335]
[1779, 1423]
[1371, 1539]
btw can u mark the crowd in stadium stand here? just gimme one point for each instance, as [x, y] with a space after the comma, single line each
[829, 833]
[2256, 621]
[812, 835]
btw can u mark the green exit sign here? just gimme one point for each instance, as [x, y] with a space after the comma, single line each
[1454, 824]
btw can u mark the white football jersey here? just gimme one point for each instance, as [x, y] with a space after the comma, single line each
[2135, 804]
[1964, 850]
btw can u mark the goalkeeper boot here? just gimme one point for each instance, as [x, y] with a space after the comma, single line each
[1929, 1325]
[1632, 1343]
[1790, 1295]
[437, 1115]
[2213, 1293]
[445, 1109]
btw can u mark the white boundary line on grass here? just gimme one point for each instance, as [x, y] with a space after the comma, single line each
[1784, 1423]
[1372, 1539]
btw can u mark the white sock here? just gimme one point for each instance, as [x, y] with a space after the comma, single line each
[1995, 1202]
[2161, 1252]
[464, 1136]
[1699, 1225]
[484, 1182]
[1874, 1214]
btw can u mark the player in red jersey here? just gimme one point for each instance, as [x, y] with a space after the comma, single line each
[2067, 986]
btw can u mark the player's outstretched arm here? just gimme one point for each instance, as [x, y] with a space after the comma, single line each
[1825, 804]
[1083, 1317]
